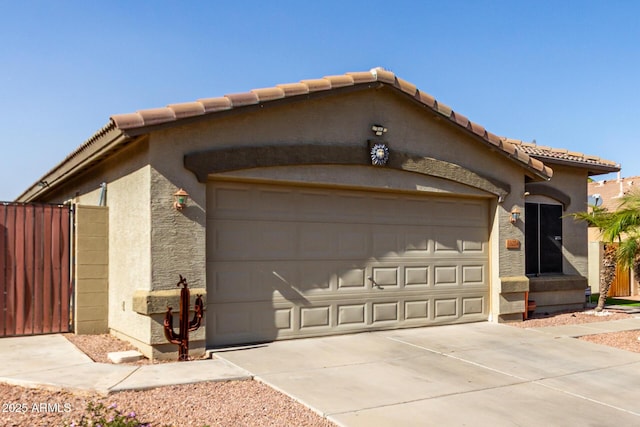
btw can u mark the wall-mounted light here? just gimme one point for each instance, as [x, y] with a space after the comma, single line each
[379, 130]
[515, 215]
[180, 199]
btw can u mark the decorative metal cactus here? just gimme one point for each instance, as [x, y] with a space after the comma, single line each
[182, 337]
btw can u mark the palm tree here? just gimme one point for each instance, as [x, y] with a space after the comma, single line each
[621, 233]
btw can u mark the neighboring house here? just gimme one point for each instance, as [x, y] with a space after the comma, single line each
[343, 204]
[608, 194]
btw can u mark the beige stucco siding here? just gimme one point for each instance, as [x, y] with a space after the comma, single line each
[341, 120]
[127, 176]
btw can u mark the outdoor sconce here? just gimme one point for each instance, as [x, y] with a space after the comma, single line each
[180, 199]
[515, 215]
[379, 129]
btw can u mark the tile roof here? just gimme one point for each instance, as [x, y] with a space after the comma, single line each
[563, 156]
[611, 191]
[174, 112]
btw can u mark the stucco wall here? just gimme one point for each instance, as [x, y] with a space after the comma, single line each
[127, 176]
[343, 120]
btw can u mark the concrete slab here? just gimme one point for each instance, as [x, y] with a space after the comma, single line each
[98, 377]
[327, 352]
[26, 354]
[361, 386]
[162, 374]
[591, 328]
[526, 404]
[52, 362]
[615, 386]
[524, 354]
[473, 374]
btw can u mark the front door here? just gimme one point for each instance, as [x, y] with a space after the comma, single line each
[543, 238]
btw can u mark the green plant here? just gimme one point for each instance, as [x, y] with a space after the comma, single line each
[622, 301]
[97, 415]
[616, 301]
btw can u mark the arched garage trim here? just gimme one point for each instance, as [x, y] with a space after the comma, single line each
[218, 160]
[542, 189]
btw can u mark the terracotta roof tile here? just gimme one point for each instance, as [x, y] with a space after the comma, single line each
[611, 191]
[268, 93]
[157, 115]
[494, 139]
[317, 84]
[242, 99]
[522, 156]
[443, 109]
[545, 153]
[383, 75]
[187, 109]
[425, 98]
[406, 87]
[128, 121]
[537, 164]
[362, 77]
[460, 119]
[508, 147]
[292, 89]
[340, 81]
[477, 129]
[212, 105]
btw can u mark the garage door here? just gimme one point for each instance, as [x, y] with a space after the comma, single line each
[290, 261]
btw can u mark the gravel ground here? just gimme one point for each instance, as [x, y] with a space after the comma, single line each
[626, 340]
[232, 403]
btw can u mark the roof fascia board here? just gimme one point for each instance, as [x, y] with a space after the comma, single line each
[592, 169]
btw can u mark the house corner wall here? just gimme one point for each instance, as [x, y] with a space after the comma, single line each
[509, 283]
[178, 247]
[91, 243]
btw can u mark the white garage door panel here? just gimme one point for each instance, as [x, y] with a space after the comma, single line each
[286, 262]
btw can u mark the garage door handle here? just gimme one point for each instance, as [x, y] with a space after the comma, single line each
[373, 282]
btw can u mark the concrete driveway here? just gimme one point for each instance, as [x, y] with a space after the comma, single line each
[480, 374]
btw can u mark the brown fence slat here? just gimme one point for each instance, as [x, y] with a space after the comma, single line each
[20, 280]
[47, 282]
[29, 254]
[38, 271]
[10, 218]
[35, 286]
[65, 273]
[4, 281]
[55, 282]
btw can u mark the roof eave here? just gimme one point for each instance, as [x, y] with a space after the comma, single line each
[99, 145]
[592, 169]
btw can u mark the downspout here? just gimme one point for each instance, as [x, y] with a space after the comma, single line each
[103, 194]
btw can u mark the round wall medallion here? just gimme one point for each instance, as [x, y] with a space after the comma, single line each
[379, 154]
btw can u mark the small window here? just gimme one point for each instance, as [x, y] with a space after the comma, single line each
[543, 238]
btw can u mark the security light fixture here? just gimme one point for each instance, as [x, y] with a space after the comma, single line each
[379, 130]
[180, 199]
[515, 215]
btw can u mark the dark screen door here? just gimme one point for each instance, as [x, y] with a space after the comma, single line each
[543, 238]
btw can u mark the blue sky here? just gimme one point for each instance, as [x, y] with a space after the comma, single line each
[564, 73]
